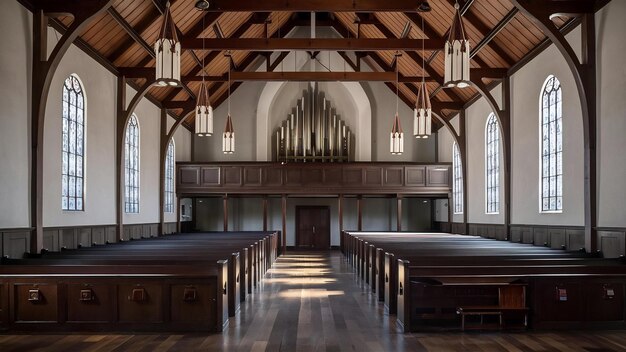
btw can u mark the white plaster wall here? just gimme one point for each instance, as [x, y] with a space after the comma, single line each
[610, 27]
[15, 100]
[149, 117]
[243, 113]
[526, 86]
[476, 121]
[446, 141]
[99, 88]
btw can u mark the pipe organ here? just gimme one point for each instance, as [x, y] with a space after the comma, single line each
[313, 132]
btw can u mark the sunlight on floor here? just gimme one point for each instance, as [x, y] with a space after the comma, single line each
[309, 293]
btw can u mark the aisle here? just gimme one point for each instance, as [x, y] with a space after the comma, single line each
[313, 302]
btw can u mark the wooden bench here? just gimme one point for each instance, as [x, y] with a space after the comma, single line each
[174, 283]
[426, 278]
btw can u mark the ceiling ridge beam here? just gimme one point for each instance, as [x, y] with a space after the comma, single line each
[314, 6]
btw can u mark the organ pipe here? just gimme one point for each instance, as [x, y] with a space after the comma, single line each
[313, 132]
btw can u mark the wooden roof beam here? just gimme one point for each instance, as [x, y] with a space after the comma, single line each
[314, 6]
[494, 32]
[131, 31]
[308, 44]
[418, 60]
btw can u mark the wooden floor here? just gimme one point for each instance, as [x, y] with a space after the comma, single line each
[313, 302]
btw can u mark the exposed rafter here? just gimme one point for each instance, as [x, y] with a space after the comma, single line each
[350, 44]
[314, 6]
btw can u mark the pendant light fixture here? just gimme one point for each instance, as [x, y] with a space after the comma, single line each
[457, 50]
[423, 111]
[204, 110]
[228, 138]
[396, 139]
[167, 50]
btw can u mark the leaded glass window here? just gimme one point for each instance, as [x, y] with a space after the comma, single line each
[169, 178]
[73, 146]
[457, 186]
[132, 166]
[492, 165]
[551, 146]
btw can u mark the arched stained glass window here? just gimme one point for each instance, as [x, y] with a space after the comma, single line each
[73, 146]
[457, 186]
[551, 146]
[492, 165]
[169, 178]
[131, 201]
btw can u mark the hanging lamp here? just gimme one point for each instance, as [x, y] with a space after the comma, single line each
[167, 50]
[396, 138]
[204, 110]
[423, 111]
[457, 50]
[228, 138]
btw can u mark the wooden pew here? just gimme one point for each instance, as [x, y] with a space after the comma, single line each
[160, 267]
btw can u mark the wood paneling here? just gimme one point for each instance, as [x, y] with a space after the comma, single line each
[313, 178]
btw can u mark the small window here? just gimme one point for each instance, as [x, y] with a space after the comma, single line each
[551, 146]
[132, 166]
[492, 165]
[169, 178]
[73, 146]
[457, 186]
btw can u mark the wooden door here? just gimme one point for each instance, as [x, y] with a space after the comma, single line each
[312, 227]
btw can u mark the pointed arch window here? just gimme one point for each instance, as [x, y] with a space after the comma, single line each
[492, 165]
[73, 146]
[457, 185]
[551, 146]
[169, 178]
[131, 201]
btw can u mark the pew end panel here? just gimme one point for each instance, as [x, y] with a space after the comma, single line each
[404, 296]
[380, 274]
[234, 294]
[391, 272]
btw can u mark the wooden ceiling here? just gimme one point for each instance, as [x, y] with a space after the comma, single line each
[122, 38]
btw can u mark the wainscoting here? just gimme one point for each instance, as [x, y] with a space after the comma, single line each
[15, 242]
[611, 241]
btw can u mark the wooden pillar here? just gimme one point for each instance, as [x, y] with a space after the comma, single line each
[340, 214]
[265, 205]
[588, 66]
[284, 215]
[225, 202]
[463, 153]
[507, 131]
[359, 210]
[162, 159]
[399, 212]
[119, 158]
[178, 214]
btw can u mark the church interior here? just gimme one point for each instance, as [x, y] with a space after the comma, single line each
[312, 175]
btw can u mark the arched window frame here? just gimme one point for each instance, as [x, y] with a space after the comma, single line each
[132, 165]
[492, 165]
[457, 184]
[551, 146]
[73, 144]
[170, 162]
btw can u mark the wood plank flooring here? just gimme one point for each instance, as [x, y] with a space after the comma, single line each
[313, 302]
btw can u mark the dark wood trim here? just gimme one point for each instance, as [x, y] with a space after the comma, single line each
[359, 212]
[164, 142]
[340, 209]
[225, 210]
[399, 212]
[284, 220]
[265, 204]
